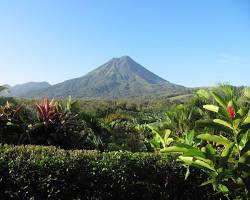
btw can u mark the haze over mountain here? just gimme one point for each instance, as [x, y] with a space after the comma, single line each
[118, 78]
[21, 90]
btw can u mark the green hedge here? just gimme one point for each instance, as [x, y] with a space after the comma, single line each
[38, 172]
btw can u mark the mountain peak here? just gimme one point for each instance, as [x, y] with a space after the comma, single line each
[125, 57]
[120, 77]
[121, 59]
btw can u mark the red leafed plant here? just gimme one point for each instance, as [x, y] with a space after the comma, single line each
[9, 112]
[12, 124]
[48, 111]
[56, 126]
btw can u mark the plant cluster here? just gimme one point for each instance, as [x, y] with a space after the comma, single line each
[55, 125]
[220, 147]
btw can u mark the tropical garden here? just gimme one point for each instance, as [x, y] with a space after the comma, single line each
[196, 148]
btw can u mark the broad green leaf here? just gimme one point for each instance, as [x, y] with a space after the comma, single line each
[223, 112]
[227, 150]
[167, 133]
[219, 100]
[208, 161]
[223, 109]
[152, 126]
[212, 124]
[174, 149]
[222, 122]
[160, 139]
[235, 105]
[181, 145]
[212, 108]
[211, 181]
[156, 141]
[244, 138]
[246, 147]
[194, 153]
[222, 188]
[196, 162]
[243, 112]
[246, 123]
[187, 160]
[189, 137]
[210, 150]
[226, 173]
[226, 154]
[245, 158]
[214, 138]
[236, 123]
[247, 120]
[245, 126]
[167, 139]
[240, 181]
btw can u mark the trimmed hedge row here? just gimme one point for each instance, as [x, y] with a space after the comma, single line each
[38, 172]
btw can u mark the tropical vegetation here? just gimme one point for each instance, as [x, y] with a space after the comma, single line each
[146, 147]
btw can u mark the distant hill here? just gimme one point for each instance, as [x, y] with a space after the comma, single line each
[118, 78]
[21, 90]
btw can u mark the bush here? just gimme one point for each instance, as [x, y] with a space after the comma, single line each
[38, 172]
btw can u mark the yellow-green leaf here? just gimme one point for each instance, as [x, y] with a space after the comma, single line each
[174, 149]
[222, 122]
[196, 162]
[212, 108]
[214, 138]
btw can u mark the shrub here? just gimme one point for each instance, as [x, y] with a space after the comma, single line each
[224, 154]
[57, 125]
[12, 124]
[38, 172]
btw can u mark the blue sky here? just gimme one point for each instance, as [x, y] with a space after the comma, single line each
[193, 43]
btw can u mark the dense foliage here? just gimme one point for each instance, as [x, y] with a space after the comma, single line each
[221, 146]
[36, 172]
[209, 132]
[103, 125]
